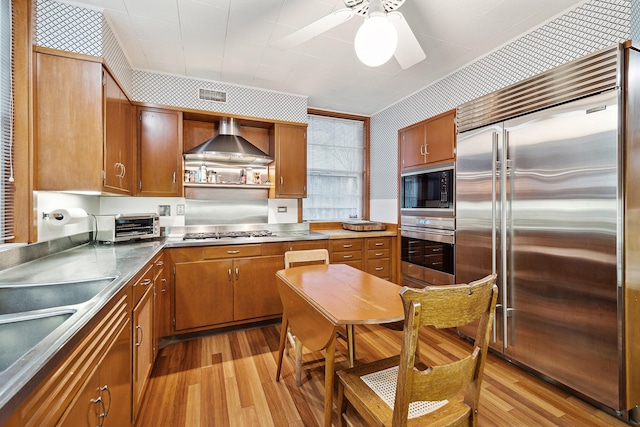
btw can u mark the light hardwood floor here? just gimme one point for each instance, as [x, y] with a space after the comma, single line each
[228, 379]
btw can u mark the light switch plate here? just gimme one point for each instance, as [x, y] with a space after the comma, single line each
[180, 209]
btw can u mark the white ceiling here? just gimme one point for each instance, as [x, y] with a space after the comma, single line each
[228, 41]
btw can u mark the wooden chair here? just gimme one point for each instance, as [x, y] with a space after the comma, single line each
[444, 395]
[292, 259]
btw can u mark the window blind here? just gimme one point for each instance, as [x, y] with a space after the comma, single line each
[335, 169]
[7, 189]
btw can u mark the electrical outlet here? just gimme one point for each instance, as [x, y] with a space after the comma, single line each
[282, 209]
[180, 209]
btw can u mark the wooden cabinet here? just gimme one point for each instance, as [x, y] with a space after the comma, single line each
[370, 254]
[221, 285]
[159, 152]
[430, 141]
[98, 365]
[83, 134]
[288, 172]
[106, 398]
[347, 251]
[142, 347]
[378, 256]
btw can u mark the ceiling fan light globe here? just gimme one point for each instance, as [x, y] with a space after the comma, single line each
[376, 40]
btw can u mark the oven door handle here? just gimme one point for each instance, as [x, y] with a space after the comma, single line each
[431, 234]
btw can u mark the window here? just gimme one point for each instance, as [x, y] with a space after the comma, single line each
[336, 168]
[6, 124]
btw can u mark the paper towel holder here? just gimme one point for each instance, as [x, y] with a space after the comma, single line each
[53, 215]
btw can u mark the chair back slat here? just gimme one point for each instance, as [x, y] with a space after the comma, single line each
[305, 257]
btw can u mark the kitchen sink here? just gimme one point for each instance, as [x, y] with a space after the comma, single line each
[19, 298]
[20, 333]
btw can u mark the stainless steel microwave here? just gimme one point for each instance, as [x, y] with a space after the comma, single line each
[125, 227]
[428, 191]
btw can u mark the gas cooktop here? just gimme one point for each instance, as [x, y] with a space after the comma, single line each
[227, 234]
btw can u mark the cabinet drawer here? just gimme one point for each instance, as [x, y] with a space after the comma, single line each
[379, 267]
[378, 253]
[379, 243]
[158, 265]
[143, 283]
[232, 251]
[346, 256]
[345, 245]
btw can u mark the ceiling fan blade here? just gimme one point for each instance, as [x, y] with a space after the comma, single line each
[314, 29]
[409, 52]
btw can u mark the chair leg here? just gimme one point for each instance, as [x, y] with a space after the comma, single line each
[298, 357]
[283, 339]
[342, 405]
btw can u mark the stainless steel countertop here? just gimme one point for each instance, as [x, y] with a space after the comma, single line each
[86, 261]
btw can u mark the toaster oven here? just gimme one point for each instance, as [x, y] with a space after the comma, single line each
[125, 227]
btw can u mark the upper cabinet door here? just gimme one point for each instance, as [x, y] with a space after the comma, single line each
[290, 178]
[160, 152]
[118, 138]
[68, 124]
[429, 142]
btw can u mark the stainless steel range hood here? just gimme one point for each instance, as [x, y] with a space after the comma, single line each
[228, 146]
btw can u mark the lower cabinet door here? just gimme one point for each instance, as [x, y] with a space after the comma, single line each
[255, 289]
[142, 347]
[203, 293]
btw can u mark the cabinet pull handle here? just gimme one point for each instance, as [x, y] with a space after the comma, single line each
[146, 282]
[229, 275]
[160, 263]
[164, 284]
[379, 254]
[139, 328]
[236, 273]
[379, 268]
[347, 246]
[174, 177]
[379, 244]
[281, 180]
[103, 413]
[124, 170]
[347, 256]
[106, 388]
[233, 252]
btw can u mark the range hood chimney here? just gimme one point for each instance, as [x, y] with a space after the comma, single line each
[228, 146]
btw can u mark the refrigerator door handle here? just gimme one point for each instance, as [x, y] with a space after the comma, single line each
[494, 178]
[503, 236]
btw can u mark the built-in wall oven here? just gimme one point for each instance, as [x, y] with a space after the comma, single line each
[427, 250]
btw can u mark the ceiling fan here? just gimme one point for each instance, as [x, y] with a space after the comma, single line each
[381, 42]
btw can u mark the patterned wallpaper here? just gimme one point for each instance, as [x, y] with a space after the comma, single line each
[80, 30]
[178, 91]
[594, 25]
[635, 22]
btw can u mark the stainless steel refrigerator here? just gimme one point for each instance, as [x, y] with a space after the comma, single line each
[538, 200]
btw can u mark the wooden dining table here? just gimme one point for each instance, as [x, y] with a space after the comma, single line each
[318, 299]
